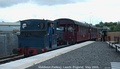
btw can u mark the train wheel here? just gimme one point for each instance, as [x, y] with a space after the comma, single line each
[26, 55]
[15, 51]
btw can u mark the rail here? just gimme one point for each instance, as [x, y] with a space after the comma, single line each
[10, 58]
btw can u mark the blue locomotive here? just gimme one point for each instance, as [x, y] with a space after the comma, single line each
[35, 38]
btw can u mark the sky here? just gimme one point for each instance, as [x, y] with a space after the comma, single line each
[90, 11]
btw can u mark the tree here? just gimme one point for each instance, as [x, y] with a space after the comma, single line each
[114, 26]
[117, 28]
[101, 24]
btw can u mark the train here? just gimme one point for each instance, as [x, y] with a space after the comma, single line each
[35, 36]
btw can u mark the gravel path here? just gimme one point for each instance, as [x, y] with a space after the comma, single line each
[97, 55]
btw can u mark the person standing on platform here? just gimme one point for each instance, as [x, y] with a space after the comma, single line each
[104, 35]
[50, 32]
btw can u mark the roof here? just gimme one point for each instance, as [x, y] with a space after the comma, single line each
[75, 22]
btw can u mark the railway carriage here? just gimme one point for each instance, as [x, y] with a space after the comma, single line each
[73, 31]
[93, 32]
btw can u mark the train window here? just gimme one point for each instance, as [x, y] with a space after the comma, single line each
[79, 29]
[24, 25]
[41, 25]
[60, 28]
[63, 27]
[70, 29]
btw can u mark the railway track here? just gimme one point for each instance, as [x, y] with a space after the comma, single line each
[10, 58]
[16, 57]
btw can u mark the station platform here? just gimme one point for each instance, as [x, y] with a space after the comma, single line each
[86, 55]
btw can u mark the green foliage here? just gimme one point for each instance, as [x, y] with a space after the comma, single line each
[97, 25]
[114, 26]
[117, 28]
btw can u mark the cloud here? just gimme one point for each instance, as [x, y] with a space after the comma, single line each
[7, 3]
[55, 2]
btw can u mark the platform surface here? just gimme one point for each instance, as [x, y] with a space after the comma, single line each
[97, 55]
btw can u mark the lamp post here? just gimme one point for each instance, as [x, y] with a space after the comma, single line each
[90, 17]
